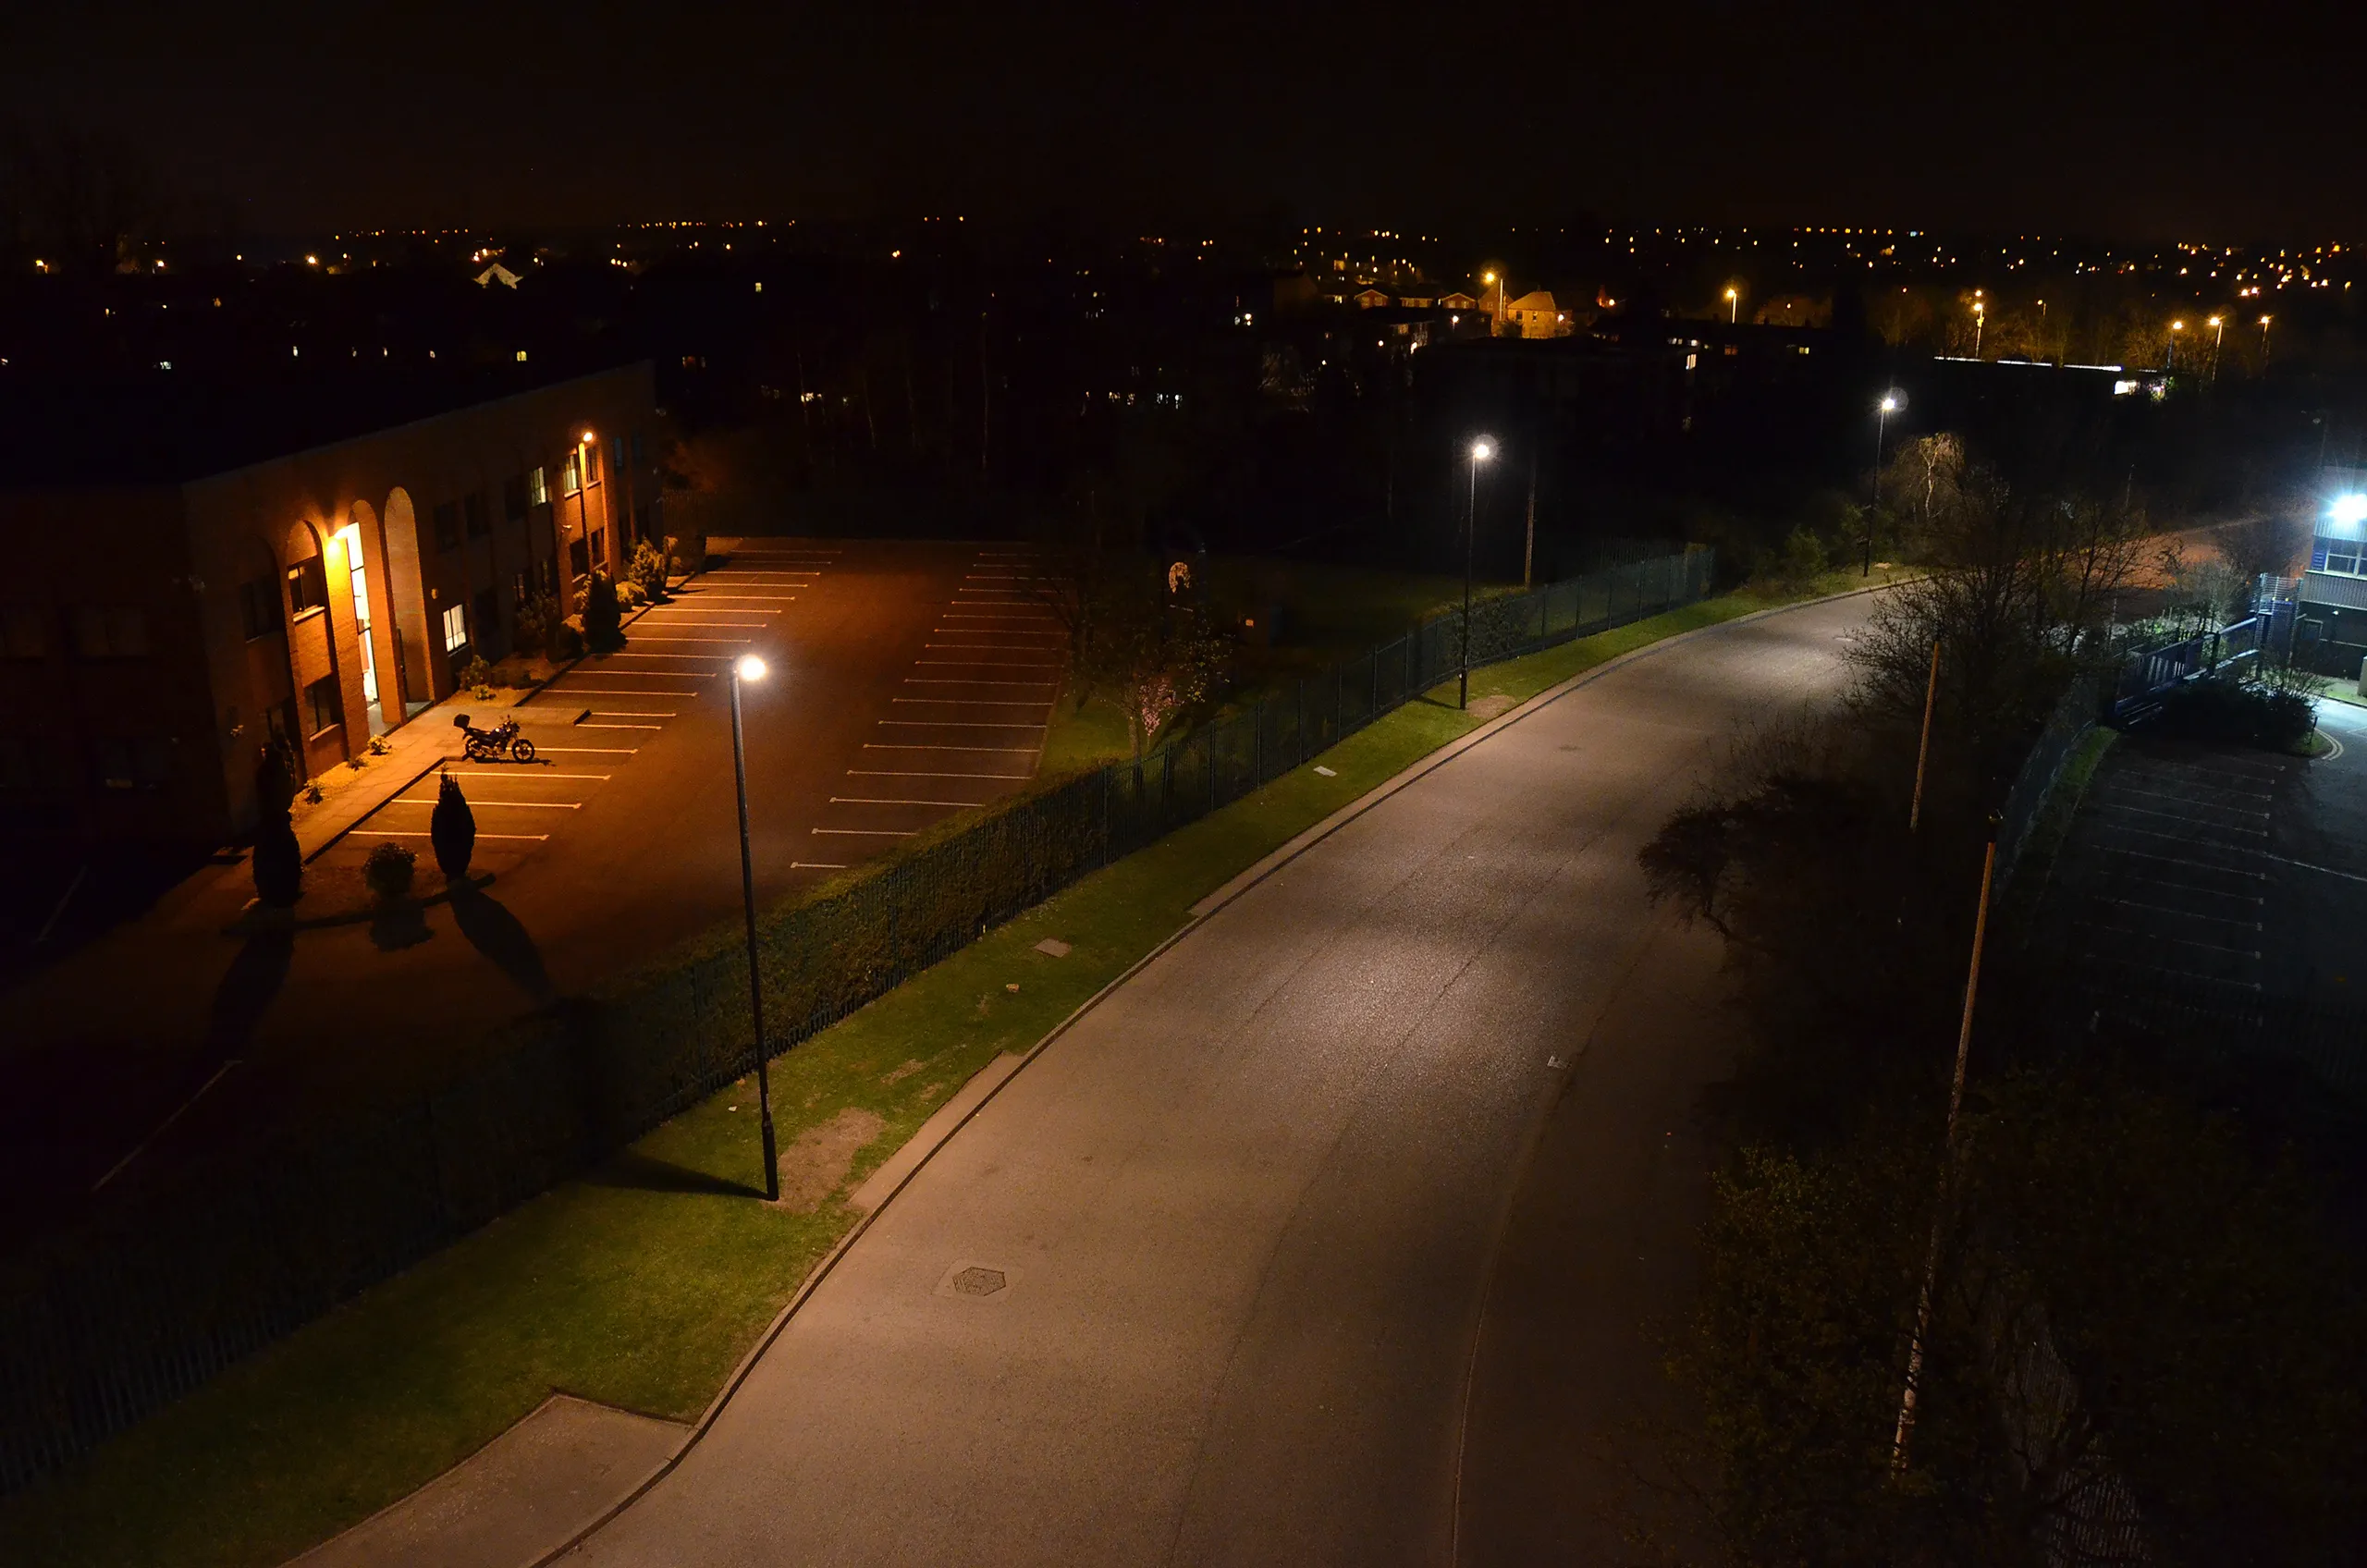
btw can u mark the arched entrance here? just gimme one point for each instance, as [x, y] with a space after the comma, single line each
[406, 601]
[372, 639]
[315, 669]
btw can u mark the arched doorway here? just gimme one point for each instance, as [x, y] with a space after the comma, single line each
[406, 600]
[317, 671]
[372, 639]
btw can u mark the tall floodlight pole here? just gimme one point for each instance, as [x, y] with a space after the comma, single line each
[1883, 410]
[1481, 451]
[751, 667]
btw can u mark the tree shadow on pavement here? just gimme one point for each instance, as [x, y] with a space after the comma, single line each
[646, 1173]
[397, 926]
[246, 989]
[497, 932]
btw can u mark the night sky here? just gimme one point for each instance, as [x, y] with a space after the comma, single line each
[2146, 120]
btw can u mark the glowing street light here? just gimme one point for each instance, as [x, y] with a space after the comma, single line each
[2263, 340]
[1733, 305]
[2176, 327]
[2348, 511]
[748, 671]
[1481, 451]
[2218, 326]
[1980, 320]
[1892, 401]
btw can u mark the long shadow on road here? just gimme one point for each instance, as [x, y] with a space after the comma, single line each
[498, 933]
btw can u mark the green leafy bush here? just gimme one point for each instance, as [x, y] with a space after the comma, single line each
[2231, 713]
[535, 618]
[648, 569]
[603, 614]
[388, 872]
[566, 641]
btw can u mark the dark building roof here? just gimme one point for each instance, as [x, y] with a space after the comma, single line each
[166, 429]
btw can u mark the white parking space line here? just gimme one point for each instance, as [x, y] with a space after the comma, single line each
[2184, 914]
[398, 833]
[615, 692]
[727, 642]
[591, 750]
[869, 832]
[2182, 860]
[2181, 816]
[635, 713]
[984, 664]
[956, 724]
[710, 658]
[815, 866]
[977, 701]
[766, 598]
[948, 681]
[916, 747]
[506, 806]
[675, 618]
[909, 773]
[890, 800]
[538, 773]
[2183, 800]
[620, 726]
[2181, 941]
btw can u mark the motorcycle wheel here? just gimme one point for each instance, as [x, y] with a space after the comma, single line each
[478, 751]
[523, 749]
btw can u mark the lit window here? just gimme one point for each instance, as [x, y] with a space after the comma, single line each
[456, 628]
[538, 490]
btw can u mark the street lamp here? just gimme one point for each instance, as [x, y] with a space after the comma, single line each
[1733, 306]
[1481, 451]
[752, 669]
[1892, 402]
[1980, 320]
[1496, 322]
[2218, 335]
[2263, 340]
[2176, 327]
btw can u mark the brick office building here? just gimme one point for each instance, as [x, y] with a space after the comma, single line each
[201, 578]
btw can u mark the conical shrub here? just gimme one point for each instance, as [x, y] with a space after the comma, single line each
[452, 830]
[278, 861]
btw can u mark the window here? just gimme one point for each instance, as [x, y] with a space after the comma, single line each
[324, 704]
[589, 460]
[547, 569]
[110, 634]
[488, 614]
[579, 558]
[2343, 556]
[447, 525]
[474, 512]
[569, 476]
[600, 546]
[514, 496]
[639, 450]
[616, 453]
[308, 586]
[259, 609]
[520, 590]
[538, 490]
[24, 634]
[456, 629]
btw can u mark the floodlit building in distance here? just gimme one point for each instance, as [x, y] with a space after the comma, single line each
[199, 573]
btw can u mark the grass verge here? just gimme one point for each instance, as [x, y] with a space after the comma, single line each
[642, 1283]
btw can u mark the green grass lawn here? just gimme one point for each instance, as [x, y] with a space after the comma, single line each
[642, 1283]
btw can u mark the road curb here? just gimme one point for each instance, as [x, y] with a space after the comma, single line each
[333, 839]
[1195, 918]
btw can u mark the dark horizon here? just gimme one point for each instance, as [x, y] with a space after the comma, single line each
[2096, 120]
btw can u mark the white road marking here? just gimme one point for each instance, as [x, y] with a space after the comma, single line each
[813, 865]
[2181, 816]
[980, 664]
[2183, 914]
[620, 726]
[592, 751]
[869, 832]
[955, 724]
[905, 773]
[514, 805]
[977, 701]
[883, 801]
[2119, 789]
[392, 833]
[2181, 941]
[2182, 860]
[731, 642]
[618, 691]
[495, 773]
[948, 681]
[917, 746]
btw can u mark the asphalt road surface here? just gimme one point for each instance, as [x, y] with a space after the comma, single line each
[1339, 1234]
[171, 1039]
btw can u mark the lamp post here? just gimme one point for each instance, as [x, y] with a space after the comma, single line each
[584, 453]
[1883, 410]
[1980, 320]
[2218, 335]
[1495, 322]
[751, 667]
[2263, 340]
[1481, 451]
[1733, 305]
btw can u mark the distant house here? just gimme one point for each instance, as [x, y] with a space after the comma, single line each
[1371, 299]
[1535, 315]
[1421, 297]
[498, 273]
[1458, 301]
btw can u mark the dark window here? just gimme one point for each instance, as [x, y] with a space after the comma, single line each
[308, 586]
[2342, 557]
[639, 450]
[570, 474]
[324, 704]
[579, 557]
[600, 546]
[548, 571]
[110, 634]
[514, 496]
[488, 616]
[519, 590]
[616, 453]
[24, 634]
[447, 525]
[259, 609]
[143, 763]
[474, 506]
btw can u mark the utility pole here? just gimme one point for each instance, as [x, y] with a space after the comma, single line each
[1481, 451]
[751, 667]
[1906, 1428]
[1529, 546]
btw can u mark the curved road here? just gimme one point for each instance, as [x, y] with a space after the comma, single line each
[1335, 1235]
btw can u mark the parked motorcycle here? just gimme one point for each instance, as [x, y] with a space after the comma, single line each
[486, 745]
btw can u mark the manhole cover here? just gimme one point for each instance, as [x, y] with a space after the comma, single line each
[976, 1282]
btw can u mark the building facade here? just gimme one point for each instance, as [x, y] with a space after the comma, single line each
[156, 636]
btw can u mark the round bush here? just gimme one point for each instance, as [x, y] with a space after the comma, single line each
[388, 871]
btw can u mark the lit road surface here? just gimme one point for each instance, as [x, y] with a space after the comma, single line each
[1248, 1210]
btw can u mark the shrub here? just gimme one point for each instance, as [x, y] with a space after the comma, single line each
[278, 861]
[537, 616]
[388, 872]
[648, 570]
[603, 616]
[452, 830]
[274, 781]
[476, 674]
[630, 596]
[2231, 714]
[566, 641]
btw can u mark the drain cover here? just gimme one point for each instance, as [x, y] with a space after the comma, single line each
[976, 1282]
